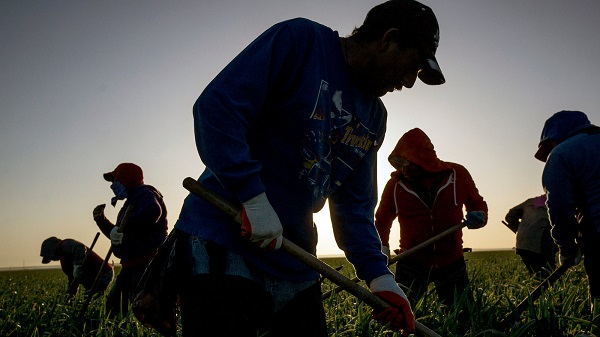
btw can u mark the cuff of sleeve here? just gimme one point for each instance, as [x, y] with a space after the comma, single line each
[249, 188]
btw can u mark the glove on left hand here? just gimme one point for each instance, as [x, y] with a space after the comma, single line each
[260, 223]
[475, 220]
[116, 238]
[399, 315]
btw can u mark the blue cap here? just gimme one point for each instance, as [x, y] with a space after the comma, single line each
[559, 127]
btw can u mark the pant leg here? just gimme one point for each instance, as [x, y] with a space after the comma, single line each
[450, 280]
[302, 316]
[414, 277]
[227, 296]
[591, 260]
[119, 297]
[224, 306]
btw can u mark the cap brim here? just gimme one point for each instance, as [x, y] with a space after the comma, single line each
[46, 260]
[109, 176]
[543, 151]
[431, 74]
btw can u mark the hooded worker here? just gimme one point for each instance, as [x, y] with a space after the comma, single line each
[78, 262]
[570, 147]
[137, 233]
[427, 196]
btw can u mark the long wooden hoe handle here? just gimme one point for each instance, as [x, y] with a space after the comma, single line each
[425, 243]
[310, 260]
[110, 250]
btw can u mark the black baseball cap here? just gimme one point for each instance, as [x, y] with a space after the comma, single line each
[419, 24]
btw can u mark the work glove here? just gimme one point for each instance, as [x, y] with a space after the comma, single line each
[99, 212]
[116, 238]
[260, 223]
[386, 251]
[77, 271]
[399, 315]
[475, 220]
[570, 259]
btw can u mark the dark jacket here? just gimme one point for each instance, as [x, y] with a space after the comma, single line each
[145, 228]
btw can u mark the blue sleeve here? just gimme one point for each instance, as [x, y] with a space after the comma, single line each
[560, 190]
[352, 215]
[233, 102]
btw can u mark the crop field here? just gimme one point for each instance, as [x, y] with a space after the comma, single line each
[32, 304]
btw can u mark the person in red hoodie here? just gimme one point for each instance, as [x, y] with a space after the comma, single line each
[427, 195]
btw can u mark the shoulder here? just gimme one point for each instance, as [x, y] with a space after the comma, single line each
[145, 191]
[303, 24]
[302, 30]
[460, 169]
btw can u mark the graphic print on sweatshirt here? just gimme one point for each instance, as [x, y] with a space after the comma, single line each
[335, 143]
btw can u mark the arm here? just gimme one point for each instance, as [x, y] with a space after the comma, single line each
[562, 207]
[386, 213]
[475, 206]
[352, 208]
[514, 216]
[230, 105]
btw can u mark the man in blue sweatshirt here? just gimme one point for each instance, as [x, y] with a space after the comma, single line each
[570, 147]
[293, 121]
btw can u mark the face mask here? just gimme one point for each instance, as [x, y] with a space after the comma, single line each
[119, 191]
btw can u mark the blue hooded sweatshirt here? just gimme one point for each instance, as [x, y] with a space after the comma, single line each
[571, 178]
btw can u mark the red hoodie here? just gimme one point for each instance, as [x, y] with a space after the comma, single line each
[419, 222]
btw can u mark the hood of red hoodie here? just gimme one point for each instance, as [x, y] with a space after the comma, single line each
[416, 147]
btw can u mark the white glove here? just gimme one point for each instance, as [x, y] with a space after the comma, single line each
[116, 238]
[399, 315]
[77, 271]
[260, 223]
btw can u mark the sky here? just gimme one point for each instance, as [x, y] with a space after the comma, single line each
[86, 85]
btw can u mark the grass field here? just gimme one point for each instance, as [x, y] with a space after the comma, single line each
[32, 304]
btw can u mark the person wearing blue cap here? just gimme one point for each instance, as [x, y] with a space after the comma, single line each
[570, 147]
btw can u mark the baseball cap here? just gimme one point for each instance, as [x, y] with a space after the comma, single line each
[128, 174]
[420, 25]
[48, 249]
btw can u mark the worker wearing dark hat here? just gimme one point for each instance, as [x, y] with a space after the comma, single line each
[144, 231]
[570, 147]
[295, 120]
[74, 263]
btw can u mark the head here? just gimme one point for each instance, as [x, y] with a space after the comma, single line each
[48, 252]
[128, 174]
[558, 128]
[400, 39]
[415, 156]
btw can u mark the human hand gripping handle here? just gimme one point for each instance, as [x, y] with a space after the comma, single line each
[98, 212]
[260, 223]
[399, 315]
[116, 236]
[475, 220]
